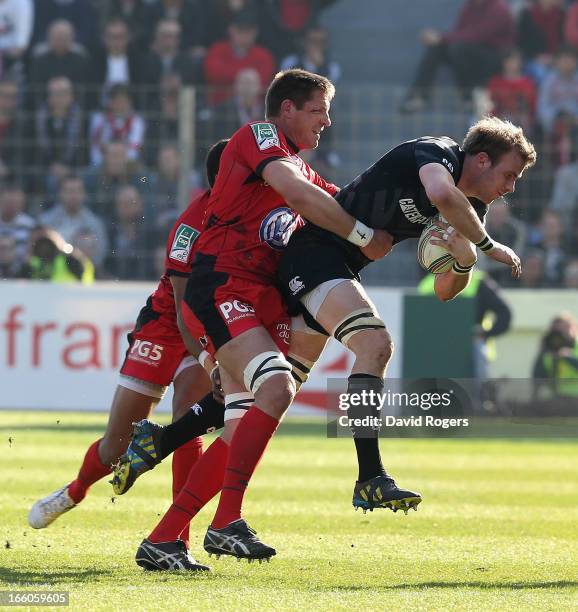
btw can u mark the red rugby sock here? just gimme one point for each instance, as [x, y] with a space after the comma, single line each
[204, 482]
[183, 460]
[90, 472]
[247, 447]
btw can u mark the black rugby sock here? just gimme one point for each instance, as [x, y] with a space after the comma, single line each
[206, 415]
[366, 438]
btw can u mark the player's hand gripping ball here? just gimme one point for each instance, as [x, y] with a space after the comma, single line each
[434, 257]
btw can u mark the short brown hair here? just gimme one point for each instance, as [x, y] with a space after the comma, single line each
[213, 160]
[496, 137]
[296, 85]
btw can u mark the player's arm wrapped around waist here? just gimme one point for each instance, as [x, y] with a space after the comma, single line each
[314, 237]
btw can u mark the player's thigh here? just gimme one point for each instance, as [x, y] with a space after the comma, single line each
[305, 342]
[235, 355]
[346, 307]
[255, 361]
[341, 301]
[189, 386]
[128, 406]
[229, 383]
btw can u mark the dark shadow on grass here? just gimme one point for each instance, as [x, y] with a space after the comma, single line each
[315, 429]
[30, 577]
[306, 428]
[517, 586]
[279, 582]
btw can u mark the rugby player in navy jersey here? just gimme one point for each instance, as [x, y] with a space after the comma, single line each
[399, 193]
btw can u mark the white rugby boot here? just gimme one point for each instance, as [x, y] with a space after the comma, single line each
[46, 510]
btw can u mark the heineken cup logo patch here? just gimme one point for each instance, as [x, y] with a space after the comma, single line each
[265, 135]
[183, 243]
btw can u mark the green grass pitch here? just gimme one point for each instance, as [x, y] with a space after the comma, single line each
[497, 530]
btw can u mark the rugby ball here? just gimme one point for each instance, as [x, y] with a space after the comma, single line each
[432, 257]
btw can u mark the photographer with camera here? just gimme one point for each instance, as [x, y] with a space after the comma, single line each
[52, 258]
[557, 361]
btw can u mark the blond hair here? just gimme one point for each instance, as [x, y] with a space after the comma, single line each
[496, 137]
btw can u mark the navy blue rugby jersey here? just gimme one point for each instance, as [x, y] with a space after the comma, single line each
[389, 194]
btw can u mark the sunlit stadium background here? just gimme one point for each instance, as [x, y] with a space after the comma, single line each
[137, 175]
[62, 336]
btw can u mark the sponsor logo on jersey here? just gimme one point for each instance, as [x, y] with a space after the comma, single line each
[235, 310]
[295, 285]
[412, 214]
[266, 135]
[284, 332]
[145, 352]
[277, 227]
[183, 241]
[448, 164]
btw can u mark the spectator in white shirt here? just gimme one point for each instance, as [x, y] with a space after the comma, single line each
[118, 123]
[16, 18]
[115, 62]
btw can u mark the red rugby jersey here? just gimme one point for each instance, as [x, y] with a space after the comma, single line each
[179, 257]
[247, 223]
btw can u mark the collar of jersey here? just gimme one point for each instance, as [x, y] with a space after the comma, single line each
[292, 145]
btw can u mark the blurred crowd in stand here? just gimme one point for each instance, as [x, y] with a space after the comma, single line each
[90, 160]
[518, 60]
[90, 156]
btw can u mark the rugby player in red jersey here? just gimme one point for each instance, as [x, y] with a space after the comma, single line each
[261, 190]
[156, 357]
[321, 266]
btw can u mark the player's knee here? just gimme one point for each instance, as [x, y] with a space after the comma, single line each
[263, 367]
[382, 346]
[356, 327]
[268, 377]
[377, 346]
[389, 347]
[276, 394]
